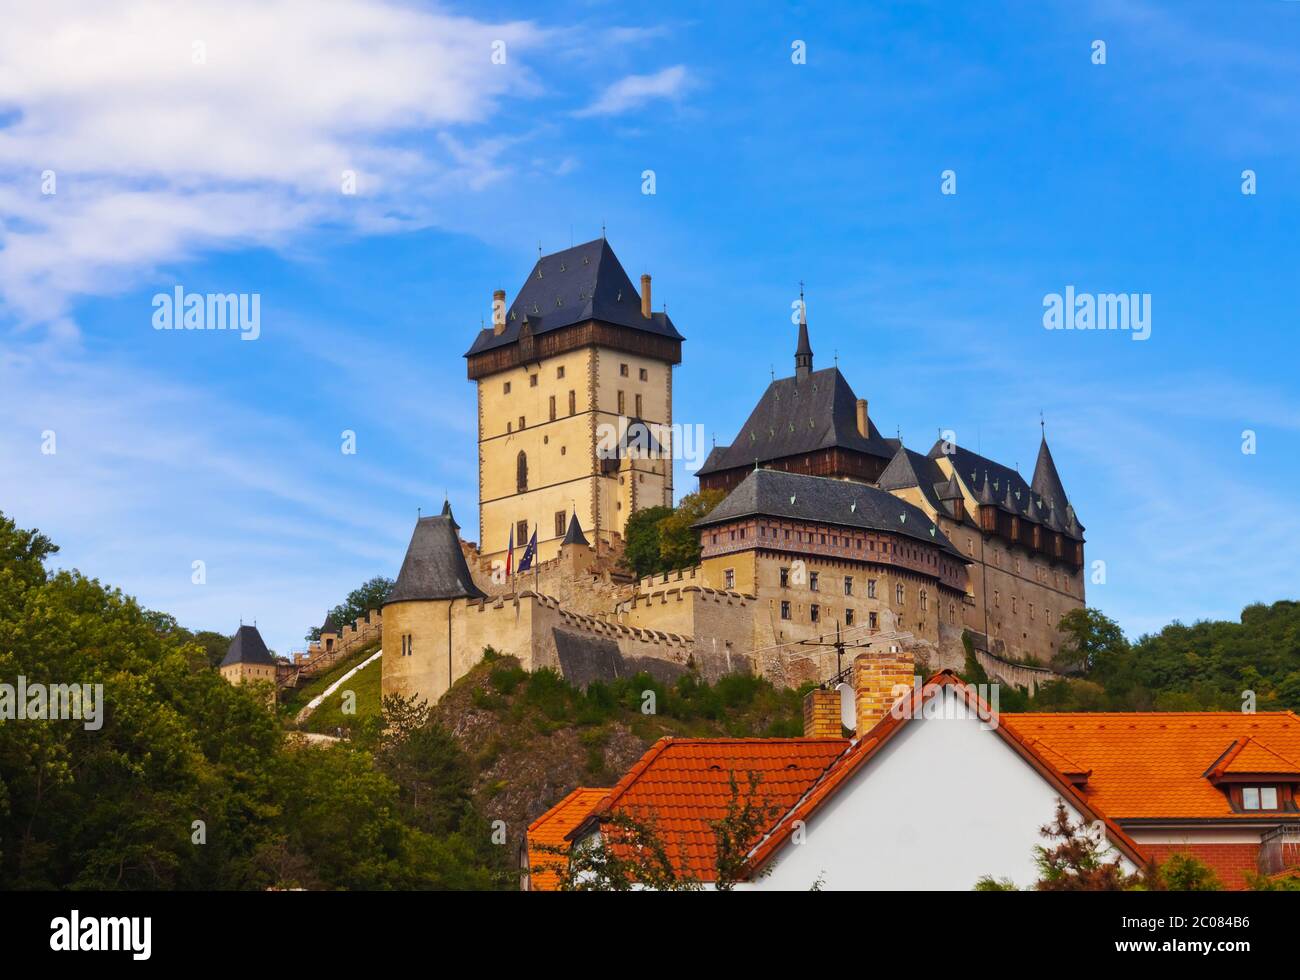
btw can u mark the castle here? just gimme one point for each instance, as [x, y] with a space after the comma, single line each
[830, 535]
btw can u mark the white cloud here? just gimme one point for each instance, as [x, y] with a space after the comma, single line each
[158, 157]
[636, 90]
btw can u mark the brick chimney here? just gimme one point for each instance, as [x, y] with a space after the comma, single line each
[821, 714]
[499, 312]
[864, 426]
[877, 675]
[645, 296]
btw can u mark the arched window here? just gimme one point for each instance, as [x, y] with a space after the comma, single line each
[521, 472]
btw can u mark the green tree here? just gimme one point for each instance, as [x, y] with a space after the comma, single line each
[1184, 873]
[1078, 860]
[679, 542]
[1090, 639]
[641, 538]
[188, 782]
[367, 596]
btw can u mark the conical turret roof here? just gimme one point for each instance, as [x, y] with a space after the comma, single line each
[574, 534]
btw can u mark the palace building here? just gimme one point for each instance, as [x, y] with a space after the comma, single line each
[830, 533]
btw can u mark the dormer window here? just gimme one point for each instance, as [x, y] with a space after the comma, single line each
[1259, 798]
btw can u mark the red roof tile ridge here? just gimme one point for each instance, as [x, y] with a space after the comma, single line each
[1253, 742]
[659, 748]
[560, 804]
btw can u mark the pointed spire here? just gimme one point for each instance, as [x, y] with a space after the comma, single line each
[1047, 482]
[446, 512]
[574, 534]
[803, 354]
[329, 626]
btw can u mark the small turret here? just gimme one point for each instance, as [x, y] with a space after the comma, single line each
[575, 548]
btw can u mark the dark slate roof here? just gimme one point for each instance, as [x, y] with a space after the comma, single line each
[711, 461]
[585, 282]
[999, 486]
[248, 647]
[797, 496]
[911, 469]
[329, 626]
[1047, 482]
[949, 489]
[434, 567]
[574, 534]
[799, 415]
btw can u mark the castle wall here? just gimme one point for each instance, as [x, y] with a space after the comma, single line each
[532, 627]
[1026, 594]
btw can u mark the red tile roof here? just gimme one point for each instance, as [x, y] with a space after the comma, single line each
[1148, 765]
[1252, 757]
[684, 786]
[550, 830]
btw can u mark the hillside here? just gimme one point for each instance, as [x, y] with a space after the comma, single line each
[532, 737]
[294, 700]
[1217, 665]
[329, 717]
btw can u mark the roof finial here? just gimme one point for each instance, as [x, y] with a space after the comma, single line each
[539, 248]
[1042, 425]
[771, 369]
[602, 229]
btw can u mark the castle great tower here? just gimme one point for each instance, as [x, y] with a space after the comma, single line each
[574, 376]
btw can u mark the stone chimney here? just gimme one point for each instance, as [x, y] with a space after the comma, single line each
[864, 426]
[879, 679]
[499, 312]
[645, 296]
[821, 714]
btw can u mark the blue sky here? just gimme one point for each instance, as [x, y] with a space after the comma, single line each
[221, 173]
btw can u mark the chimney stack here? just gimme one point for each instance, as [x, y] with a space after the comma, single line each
[864, 426]
[821, 714]
[499, 312]
[879, 679]
[645, 296]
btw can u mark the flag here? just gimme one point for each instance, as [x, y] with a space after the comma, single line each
[510, 552]
[530, 553]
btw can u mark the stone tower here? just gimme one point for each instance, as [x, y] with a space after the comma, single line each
[575, 404]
